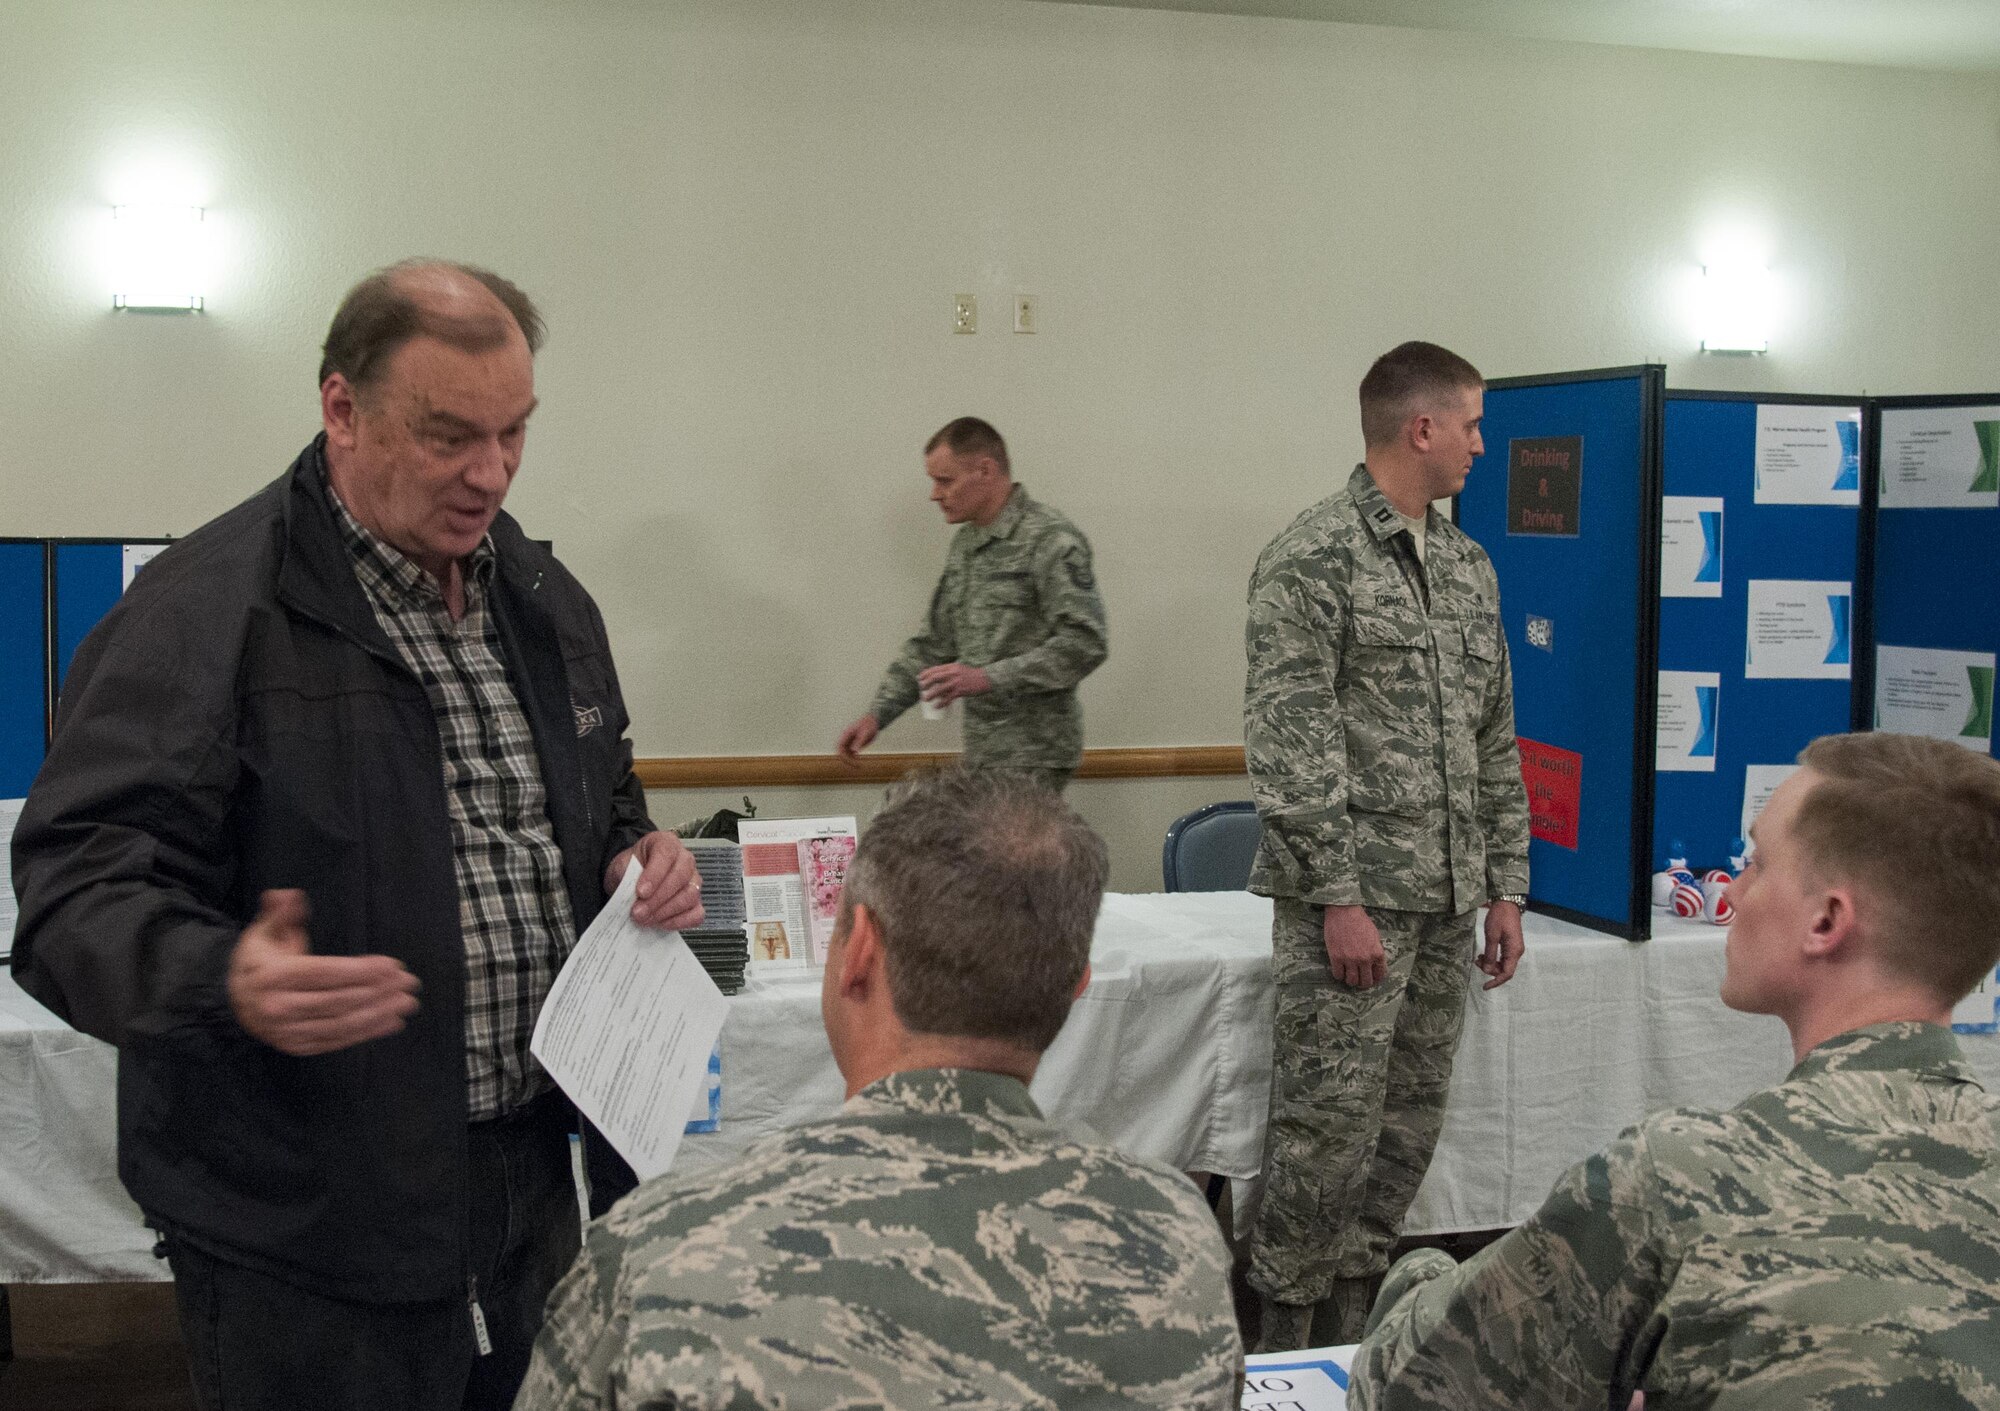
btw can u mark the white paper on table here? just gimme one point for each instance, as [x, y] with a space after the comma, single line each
[1689, 704]
[1945, 695]
[1807, 455]
[1314, 1380]
[136, 557]
[627, 1030]
[1979, 1012]
[10, 814]
[775, 906]
[1760, 781]
[1799, 629]
[1690, 546]
[1941, 458]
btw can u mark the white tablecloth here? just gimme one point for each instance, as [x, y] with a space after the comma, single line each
[63, 1215]
[1167, 1055]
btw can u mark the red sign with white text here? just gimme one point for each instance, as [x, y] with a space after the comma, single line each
[1555, 792]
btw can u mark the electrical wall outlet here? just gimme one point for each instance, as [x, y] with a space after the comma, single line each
[964, 313]
[1024, 313]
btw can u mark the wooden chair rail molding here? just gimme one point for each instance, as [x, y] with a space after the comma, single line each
[752, 771]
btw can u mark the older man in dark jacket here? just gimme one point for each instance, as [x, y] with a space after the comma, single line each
[331, 793]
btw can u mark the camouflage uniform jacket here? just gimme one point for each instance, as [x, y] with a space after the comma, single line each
[935, 1244]
[1378, 717]
[1019, 599]
[1832, 1242]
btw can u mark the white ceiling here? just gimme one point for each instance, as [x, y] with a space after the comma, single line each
[1922, 34]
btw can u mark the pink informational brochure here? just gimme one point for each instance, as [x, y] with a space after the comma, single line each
[823, 863]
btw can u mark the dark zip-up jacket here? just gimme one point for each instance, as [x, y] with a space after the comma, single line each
[238, 722]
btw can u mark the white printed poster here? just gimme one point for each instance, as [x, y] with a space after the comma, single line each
[1808, 455]
[1946, 695]
[10, 814]
[1685, 741]
[793, 869]
[1760, 781]
[1690, 546]
[1315, 1380]
[1798, 630]
[136, 557]
[1941, 458]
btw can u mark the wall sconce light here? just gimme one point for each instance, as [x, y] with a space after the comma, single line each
[158, 258]
[1735, 308]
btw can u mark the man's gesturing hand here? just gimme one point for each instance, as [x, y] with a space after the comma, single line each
[1354, 947]
[303, 1004]
[669, 894]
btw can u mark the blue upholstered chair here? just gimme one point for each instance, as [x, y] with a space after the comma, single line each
[1210, 850]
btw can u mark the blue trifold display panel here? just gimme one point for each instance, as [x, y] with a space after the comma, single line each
[1710, 451]
[47, 586]
[90, 578]
[1936, 583]
[1590, 593]
[24, 660]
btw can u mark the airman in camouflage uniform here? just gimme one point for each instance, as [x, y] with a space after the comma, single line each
[1379, 735]
[1831, 1242]
[1014, 625]
[936, 1243]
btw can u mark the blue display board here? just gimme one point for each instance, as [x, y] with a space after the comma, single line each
[1935, 585]
[89, 579]
[1711, 454]
[24, 664]
[1579, 581]
[52, 592]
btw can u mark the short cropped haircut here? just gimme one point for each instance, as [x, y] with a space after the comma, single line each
[383, 312]
[1406, 380]
[1914, 825]
[984, 886]
[969, 436]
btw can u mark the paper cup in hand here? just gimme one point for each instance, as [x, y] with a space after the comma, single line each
[933, 711]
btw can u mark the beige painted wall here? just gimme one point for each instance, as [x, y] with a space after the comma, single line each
[746, 220]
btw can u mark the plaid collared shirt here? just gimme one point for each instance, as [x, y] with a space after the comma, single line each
[513, 908]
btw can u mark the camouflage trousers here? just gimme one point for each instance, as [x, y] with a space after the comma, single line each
[1358, 1086]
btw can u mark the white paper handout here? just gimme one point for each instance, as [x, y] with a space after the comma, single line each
[1943, 694]
[1685, 741]
[1798, 630]
[1314, 1380]
[789, 922]
[1760, 781]
[1808, 455]
[1690, 546]
[627, 1031]
[1941, 458]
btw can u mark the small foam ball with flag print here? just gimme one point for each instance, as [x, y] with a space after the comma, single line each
[1687, 899]
[1715, 899]
[1717, 874]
